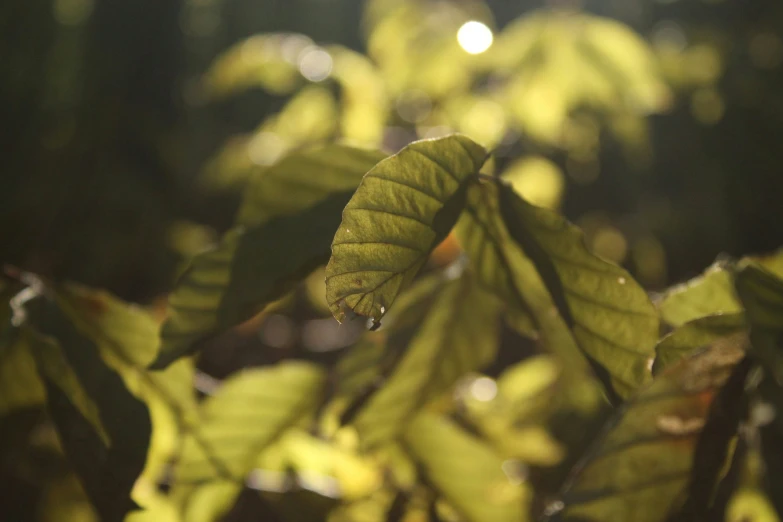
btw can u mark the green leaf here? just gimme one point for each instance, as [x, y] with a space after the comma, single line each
[709, 294]
[536, 261]
[761, 294]
[303, 179]
[608, 312]
[466, 471]
[750, 503]
[20, 384]
[256, 61]
[694, 335]
[284, 232]
[104, 429]
[455, 334]
[501, 266]
[368, 364]
[127, 339]
[403, 208]
[249, 412]
[641, 467]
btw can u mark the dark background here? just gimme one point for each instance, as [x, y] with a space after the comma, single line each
[100, 151]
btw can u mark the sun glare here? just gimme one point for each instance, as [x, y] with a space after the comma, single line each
[474, 37]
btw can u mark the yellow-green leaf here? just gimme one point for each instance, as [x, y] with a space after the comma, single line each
[103, 428]
[247, 413]
[761, 293]
[613, 320]
[285, 227]
[402, 209]
[709, 294]
[641, 467]
[694, 335]
[466, 471]
[456, 334]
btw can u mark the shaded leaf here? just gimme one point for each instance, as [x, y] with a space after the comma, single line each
[20, 384]
[502, 267]
[641, 466]
[709, 294]
[403, 208]
[127, 339]
[498, 247]
[374, 508]
[467, 472]
[456, 334]
[609, 313]
[693, 335]
[286, 224]
[247, 413]
[84, 396]
[302, 179]
[761, 294]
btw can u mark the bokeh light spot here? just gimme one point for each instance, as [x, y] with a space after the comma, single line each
[315, 64]
[610, 243]
[474, 37]
[484, 389]
[707, 106]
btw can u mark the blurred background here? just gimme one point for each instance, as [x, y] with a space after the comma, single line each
[130, 127]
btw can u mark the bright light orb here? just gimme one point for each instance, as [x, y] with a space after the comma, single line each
[474, 37]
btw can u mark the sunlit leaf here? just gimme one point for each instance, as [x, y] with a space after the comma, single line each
[694, 335]
[513, 411]
[267, 61]
[403, 208]
[364, 100]
[559, 62]
[640, 469]
[247, 413]
[322, 466]
[536, 259]
[609, 312]
[467, 472]
[108, 450]
[258, 261]
[456, 334]
[127, 338]
[761, 294]
[367, 364]
[204, 502]
[750, 503]
[709, 294]
[303, 179]
[415, 47]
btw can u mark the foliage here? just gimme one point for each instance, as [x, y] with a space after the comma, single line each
[617, 406]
